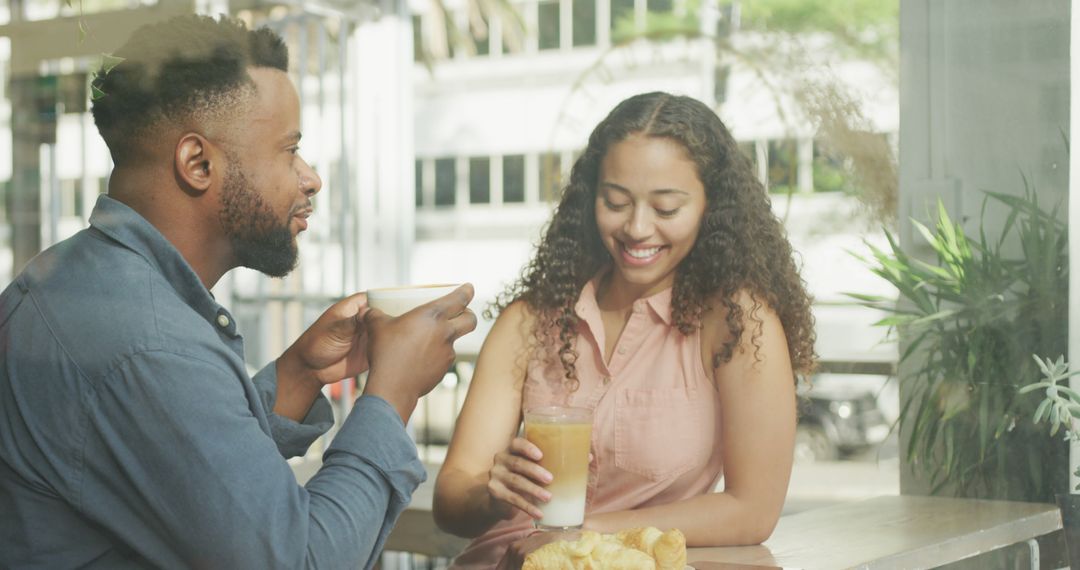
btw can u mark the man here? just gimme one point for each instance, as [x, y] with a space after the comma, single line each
[130, 433]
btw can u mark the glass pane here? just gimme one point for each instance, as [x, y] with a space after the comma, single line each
[584, 22]
[480, 180]
[831, 173]
[417, 39]
[514, 179]
[547, 24]
[660, 6]
[782, 166]
[482, 38]
[445, 181]
[419, 183]
[550, 176]
[71, 197]
[5, 190]
[720, 81]
[622, 18]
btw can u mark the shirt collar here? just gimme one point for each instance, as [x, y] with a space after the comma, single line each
[125, 226]
[588, 309]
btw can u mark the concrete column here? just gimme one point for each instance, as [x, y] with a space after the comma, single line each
[1074, 219]
[384, 162]
[24, 212]
[804, 172]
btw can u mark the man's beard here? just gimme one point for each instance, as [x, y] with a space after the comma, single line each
[259, 240]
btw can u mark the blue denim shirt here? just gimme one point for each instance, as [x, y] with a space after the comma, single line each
[132, 436]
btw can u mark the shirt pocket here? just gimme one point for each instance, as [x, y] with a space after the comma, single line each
[660, 434]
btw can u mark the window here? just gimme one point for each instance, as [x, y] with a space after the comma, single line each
[5, 196]
[584, 29]
[71, 197]
[481, 36]
[480, 180]
[514, 179]
[419, 183]
[783, 166]
[720, 81]
[547, 24]
[830, 172]
[550, 176]
[660, 6]
[445, 182]
[622, 19]
[417, 40]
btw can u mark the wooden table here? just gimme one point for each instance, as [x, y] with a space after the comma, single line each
[883, 533]
[416, 531]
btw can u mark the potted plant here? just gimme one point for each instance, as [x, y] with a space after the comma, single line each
[971, 311]
[1060, 407]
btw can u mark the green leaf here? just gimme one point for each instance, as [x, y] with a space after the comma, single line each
[940, 272]
[926, 233]
[911, 348]
[1042, 366]
[894, 320]
[108, 62]
[1041, 410]
[869, 298]
[938, 316]
[1033, 387]
[1072, 394]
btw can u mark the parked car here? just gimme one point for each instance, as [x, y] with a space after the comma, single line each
[840, 415]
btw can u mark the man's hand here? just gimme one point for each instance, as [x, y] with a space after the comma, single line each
[332, 349]
[410, 354]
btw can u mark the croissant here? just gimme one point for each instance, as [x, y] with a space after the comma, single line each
[667, 548]
[631, 549]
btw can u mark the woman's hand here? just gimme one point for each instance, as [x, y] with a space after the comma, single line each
[517, 480]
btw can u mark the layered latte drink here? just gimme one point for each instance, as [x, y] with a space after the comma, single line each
[563, 436]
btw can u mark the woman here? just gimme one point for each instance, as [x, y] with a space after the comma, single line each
[663, 297]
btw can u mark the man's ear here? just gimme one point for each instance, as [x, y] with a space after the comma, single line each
[193, 164]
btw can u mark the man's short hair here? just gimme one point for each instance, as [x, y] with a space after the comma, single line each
[182, 71]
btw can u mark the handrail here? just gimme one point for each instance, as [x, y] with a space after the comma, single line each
[877, 367]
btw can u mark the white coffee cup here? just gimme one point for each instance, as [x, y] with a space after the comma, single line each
[396, 301]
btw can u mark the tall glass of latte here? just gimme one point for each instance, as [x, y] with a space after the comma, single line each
[563, 436]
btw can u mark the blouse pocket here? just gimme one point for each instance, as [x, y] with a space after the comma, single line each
[660, 434]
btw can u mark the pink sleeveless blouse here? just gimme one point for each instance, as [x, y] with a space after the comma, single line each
[656, 417]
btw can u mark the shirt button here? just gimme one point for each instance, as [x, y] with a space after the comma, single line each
[607, 379]
[622, 350]
[222, 321]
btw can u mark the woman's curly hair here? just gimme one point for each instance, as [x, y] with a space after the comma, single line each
[741, 245]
